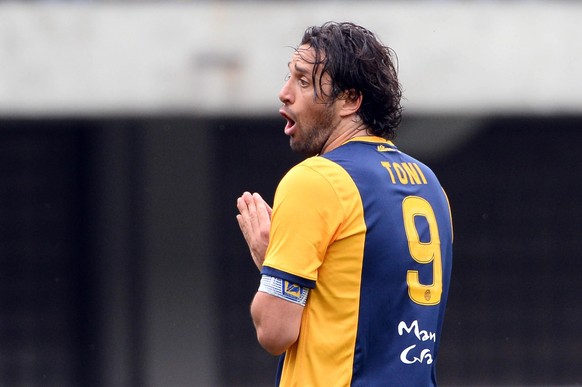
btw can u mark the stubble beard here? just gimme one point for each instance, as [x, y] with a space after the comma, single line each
[316, 136]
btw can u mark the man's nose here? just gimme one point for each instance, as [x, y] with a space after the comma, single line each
[285, 94]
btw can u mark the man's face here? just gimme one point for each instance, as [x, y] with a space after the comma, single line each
[311, 117]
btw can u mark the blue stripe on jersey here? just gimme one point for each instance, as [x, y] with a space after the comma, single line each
[385, 305]
[278, 375]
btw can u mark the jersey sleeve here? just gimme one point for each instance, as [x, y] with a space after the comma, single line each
[306, 216]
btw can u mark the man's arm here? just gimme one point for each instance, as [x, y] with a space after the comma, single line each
[277, 322]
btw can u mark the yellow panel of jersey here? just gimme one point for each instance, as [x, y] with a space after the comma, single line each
[320, 196]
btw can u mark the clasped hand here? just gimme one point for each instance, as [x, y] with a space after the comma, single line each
[254, 220]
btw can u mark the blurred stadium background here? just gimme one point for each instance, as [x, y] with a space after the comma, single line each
[128, 129]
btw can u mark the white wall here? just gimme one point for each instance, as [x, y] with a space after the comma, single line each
[230, 57]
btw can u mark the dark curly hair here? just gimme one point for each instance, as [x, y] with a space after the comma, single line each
[359, 63]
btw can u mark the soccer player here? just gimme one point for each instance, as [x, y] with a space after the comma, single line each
[356, 253]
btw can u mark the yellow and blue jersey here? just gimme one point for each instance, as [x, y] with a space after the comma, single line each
[368, 229]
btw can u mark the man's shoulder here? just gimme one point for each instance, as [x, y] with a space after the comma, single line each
[317, 164]
[313, 172]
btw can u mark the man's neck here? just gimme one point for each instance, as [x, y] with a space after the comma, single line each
[341, 135]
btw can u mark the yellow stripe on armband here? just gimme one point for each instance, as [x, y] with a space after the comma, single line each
[284, 289]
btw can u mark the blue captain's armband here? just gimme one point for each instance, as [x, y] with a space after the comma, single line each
[284, 289]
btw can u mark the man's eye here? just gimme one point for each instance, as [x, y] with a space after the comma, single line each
[303, 83]
[287, 77]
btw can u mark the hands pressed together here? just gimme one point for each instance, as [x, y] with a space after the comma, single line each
[254, 220]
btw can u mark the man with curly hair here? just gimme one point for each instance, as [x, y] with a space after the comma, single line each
[355, 255]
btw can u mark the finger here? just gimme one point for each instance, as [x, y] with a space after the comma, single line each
[240, 205]
[263, 216]
[253, 220]
[267, 207]
[241, 202]
[247, 197]
[269, 210]
[243, 217]
[239, 219]
[257, 198]
[242, 224]
[243, 211]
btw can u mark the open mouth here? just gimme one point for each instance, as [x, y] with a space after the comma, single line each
[290, 122]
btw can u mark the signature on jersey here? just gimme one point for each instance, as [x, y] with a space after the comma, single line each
[411, 354]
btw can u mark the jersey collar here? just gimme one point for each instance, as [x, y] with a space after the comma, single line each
[372, 139]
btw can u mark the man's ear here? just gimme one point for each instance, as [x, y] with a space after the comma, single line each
[352, 100]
